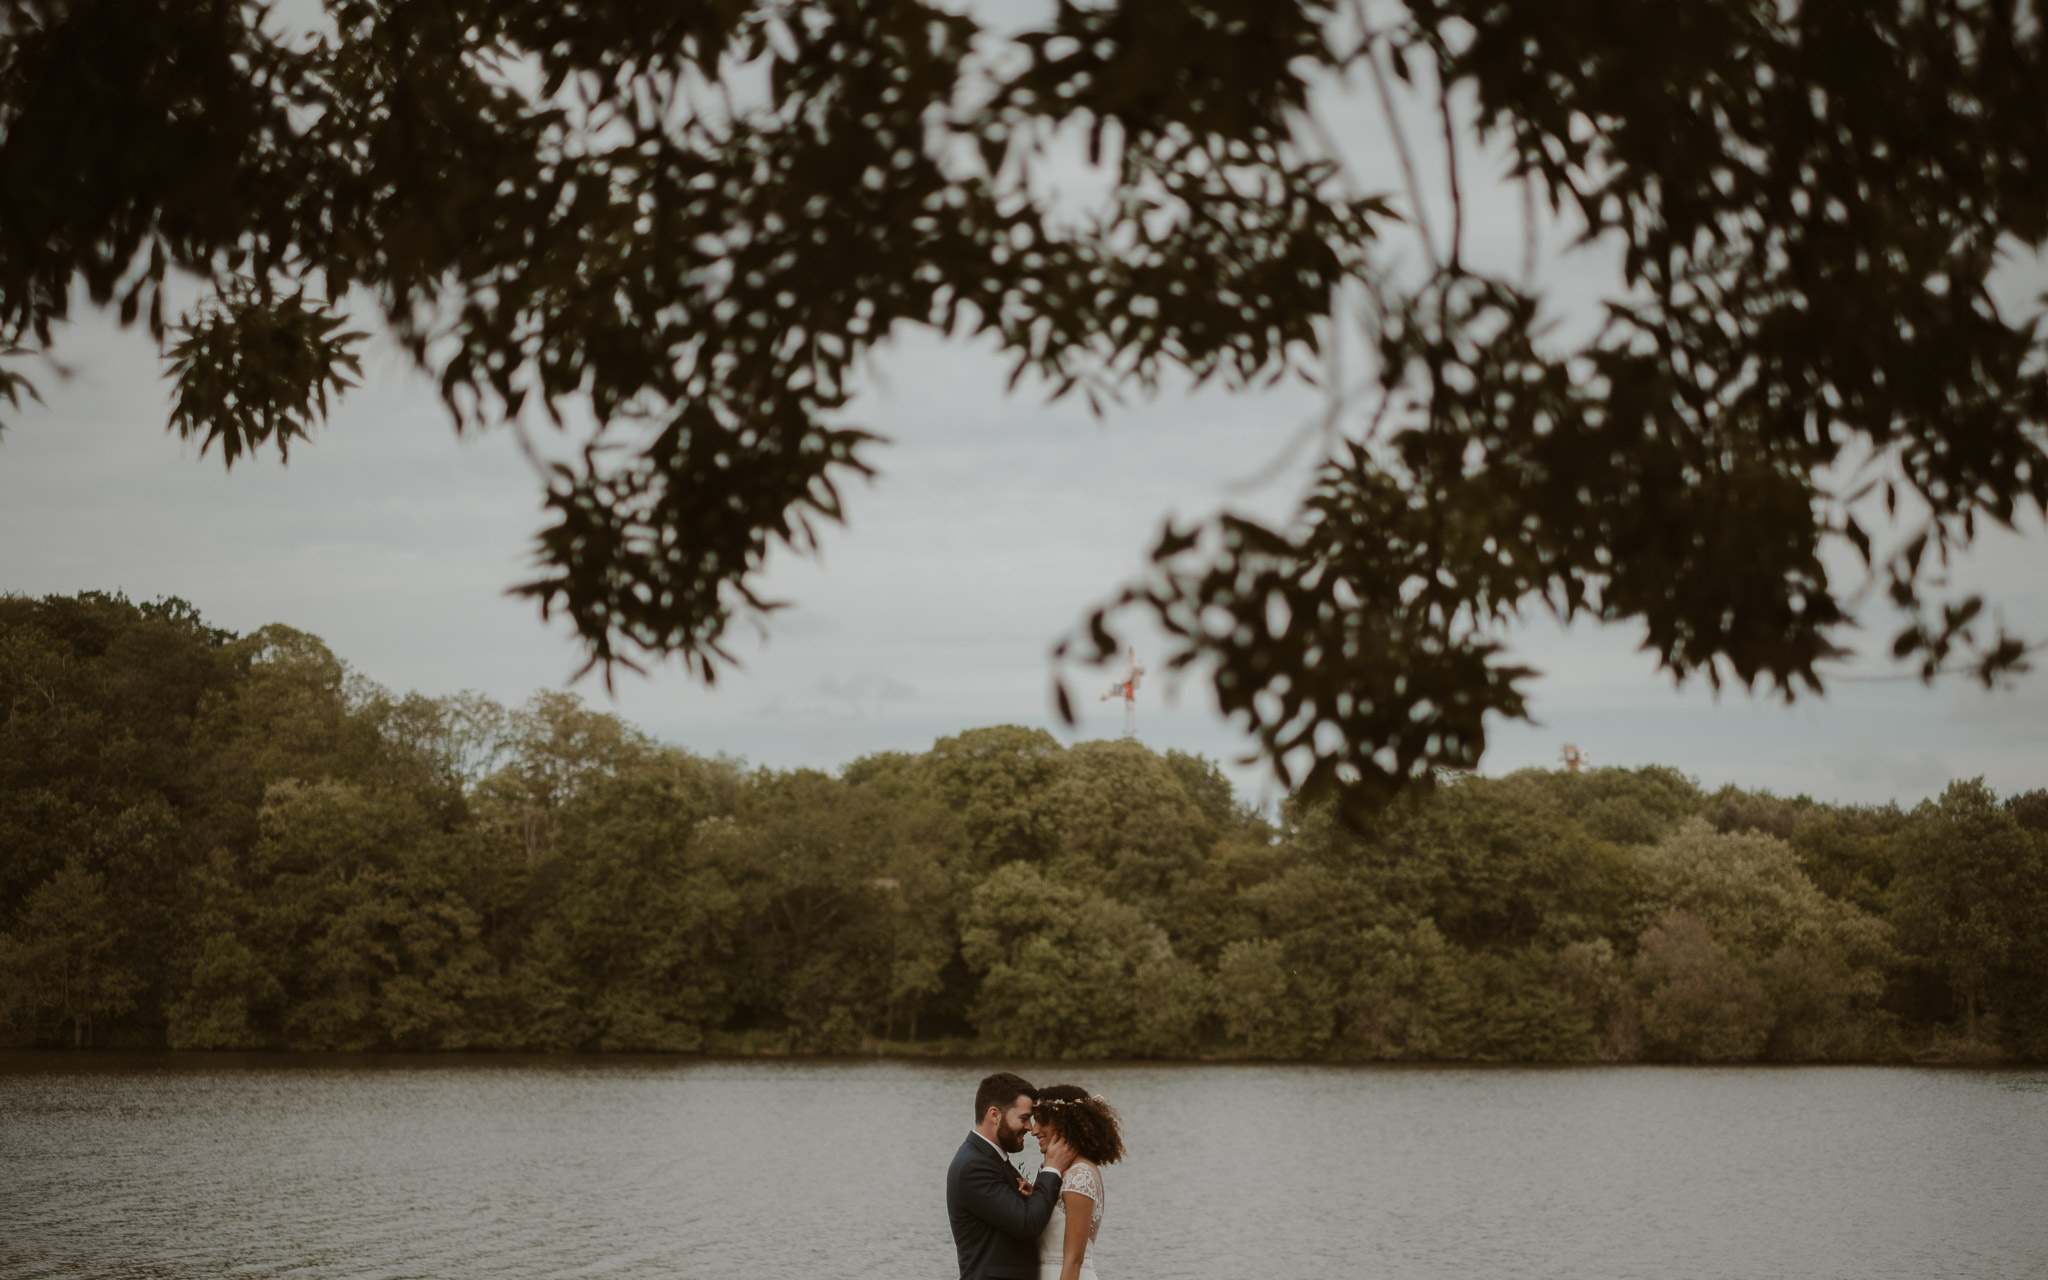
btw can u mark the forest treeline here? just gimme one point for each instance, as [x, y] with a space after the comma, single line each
[221, 841]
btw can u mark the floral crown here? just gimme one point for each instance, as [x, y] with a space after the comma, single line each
[1075, 1102]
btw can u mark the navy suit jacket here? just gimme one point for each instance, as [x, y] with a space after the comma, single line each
[995, 1227]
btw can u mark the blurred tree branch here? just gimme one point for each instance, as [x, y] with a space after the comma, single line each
[689, 220]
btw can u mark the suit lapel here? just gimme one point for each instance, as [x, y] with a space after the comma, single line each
[990, 1150]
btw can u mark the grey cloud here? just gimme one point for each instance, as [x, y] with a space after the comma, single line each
[1894, 773]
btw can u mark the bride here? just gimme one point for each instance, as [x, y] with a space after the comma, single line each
[1066, 1249]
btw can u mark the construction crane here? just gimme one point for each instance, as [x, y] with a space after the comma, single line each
[1127, 689]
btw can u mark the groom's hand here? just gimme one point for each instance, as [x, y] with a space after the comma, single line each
[1058, 1154]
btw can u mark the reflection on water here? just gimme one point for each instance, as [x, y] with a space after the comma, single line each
[489, 1169]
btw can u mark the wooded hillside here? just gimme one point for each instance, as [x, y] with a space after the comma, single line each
[221, 841]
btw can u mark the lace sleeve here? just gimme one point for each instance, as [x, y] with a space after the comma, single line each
[1085, 1179]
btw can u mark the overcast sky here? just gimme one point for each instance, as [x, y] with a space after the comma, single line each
[997, 522]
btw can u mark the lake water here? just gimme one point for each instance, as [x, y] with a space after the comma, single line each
[491, 1169]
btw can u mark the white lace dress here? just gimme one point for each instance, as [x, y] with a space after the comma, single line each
[1052, 1243]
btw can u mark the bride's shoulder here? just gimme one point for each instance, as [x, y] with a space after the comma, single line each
[1083, 1177]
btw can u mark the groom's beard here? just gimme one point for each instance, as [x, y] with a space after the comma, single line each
[1010, 1140]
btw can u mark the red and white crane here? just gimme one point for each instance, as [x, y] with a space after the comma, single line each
[1127, 689]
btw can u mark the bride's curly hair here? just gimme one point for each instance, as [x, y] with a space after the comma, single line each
[1089, 1124]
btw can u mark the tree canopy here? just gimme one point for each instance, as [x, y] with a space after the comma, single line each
[672, 230]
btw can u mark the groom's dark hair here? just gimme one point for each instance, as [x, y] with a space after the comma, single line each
[1000, 1091]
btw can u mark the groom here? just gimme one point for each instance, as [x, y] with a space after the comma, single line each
[996, 1218]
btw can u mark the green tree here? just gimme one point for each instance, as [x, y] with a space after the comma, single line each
[285, 719]
[63, 957]
[1594, 977]
[102, 762]
[335, 933]
[1298, 951]
[702, 280]
[1752, 893]
[1120, 810]
[1627, 806]
[444, 747]
[1848, 851]
[1852, 853]
[1511, 1007]
[629, 920]
[1972, 898]
[2030, 809]
[996, 779]
[1065, 973]
[1397, 999]
[1821, 962]
[929, 862]
[1498, 863]
[821, 935]
[1274, 1008]
[1699, 1004]
[1205, 785]
[233, 997]
[559, 748]
[1731, 809]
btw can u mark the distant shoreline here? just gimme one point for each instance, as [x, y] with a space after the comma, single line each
[233, 842]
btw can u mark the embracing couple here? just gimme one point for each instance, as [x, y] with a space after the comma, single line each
[1006, 1228]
